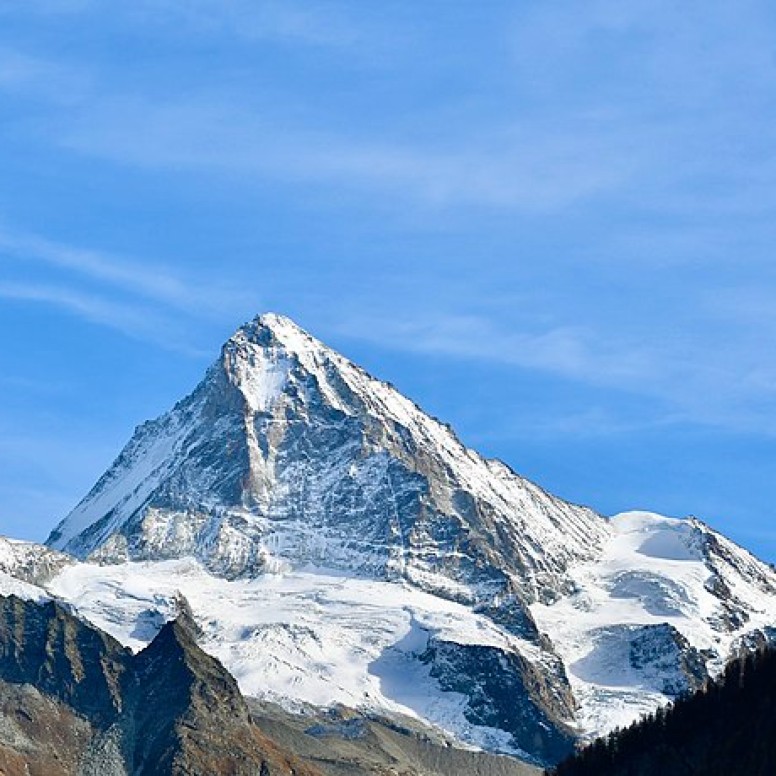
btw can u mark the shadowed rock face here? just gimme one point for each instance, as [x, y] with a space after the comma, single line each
[73, 700]
[189, 716]
[505, 692]
[44, 646]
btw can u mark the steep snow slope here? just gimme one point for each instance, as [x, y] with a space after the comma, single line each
[667, 604]
[307, 637]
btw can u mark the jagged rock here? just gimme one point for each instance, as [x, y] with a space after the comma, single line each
[190, 718]
[74, 701]
[29, 562]
[505, 692]
[174, 710]
[288, 454]
[45, 646]
[661, 654]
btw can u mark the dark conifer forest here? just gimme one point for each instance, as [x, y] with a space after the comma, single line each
[729, 728]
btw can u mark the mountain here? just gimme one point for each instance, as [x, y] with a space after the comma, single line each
[336, 545]
[727, 727]
[667, 604]
[287, 453]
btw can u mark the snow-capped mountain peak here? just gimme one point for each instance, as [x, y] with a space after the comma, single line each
[288, 453]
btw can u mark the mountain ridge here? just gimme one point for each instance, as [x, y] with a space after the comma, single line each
[85, 706]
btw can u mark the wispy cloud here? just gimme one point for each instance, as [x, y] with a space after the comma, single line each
[595, 422]
[528, 165]
[150, 281]
[727, 387]
[314, 22]
[139, 299]
[55, 81]
[564, 132]
[520, 157]
[44, 7]
[130, 319]
[568, 351]
[30, 385]
[311, 22]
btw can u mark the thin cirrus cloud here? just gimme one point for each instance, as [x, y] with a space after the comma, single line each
[649, 128]
[140, 300]
[728, 388]
[522, 158]
[128, 318]
[317, 23]
[528, 165]
[571, 352]
[658, 132]
[151, 282]
[311, 23]
[33, 76]
[689, 54]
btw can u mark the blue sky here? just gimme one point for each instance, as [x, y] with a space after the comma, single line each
[550, 223]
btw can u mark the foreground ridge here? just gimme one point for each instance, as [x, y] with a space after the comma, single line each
[86, 705]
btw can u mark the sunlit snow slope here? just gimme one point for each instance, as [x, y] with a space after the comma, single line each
[667, 603]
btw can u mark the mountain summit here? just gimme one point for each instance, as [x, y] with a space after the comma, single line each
[287, 454]
[337, 545]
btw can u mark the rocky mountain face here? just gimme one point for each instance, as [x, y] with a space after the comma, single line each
[665, 606]
[62, 657]
[189, 716]
[287, 453]
[30, 563]
[339, 546]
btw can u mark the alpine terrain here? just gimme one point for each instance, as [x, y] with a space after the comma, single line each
[339, 551]
[727, 727]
